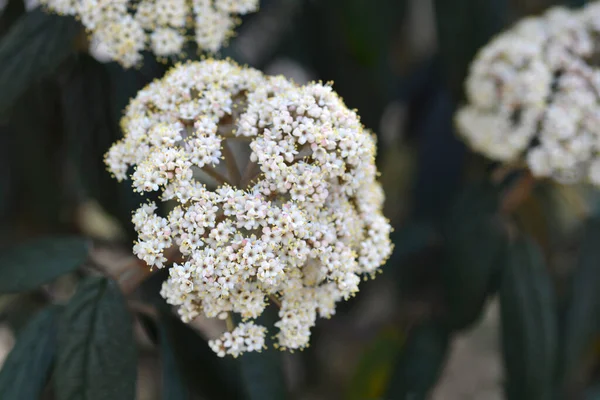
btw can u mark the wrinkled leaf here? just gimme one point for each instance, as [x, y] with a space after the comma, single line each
[26, 370]
[411, 238]
[362, 86]
[583, 313]
[7, 179]
[33, 48]
[593, 393]
[39, 176]
[369, 26]
[90, 130]
[29, 265]
[414, 242]
[125, 83]
[203, 371]
[420, 363]
[529, 324]
[173, 383]
[96, 350]
[463, 27]
[262, 373]
[122, 86]
[11, 12]
[474, 248]
[440, 157]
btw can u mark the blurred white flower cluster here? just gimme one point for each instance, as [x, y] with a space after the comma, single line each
[296, 220]
[533, 96]
[122, 29]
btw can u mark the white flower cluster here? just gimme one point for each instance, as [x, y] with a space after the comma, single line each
[295, 225]
[245, 337]
[122, 29]
[533, 96]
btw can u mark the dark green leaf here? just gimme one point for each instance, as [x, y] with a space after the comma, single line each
[204, 373]
[125, 83]
[26, 369]
[478, 200]
[213, 377]
[593, 393]
[173, 384]
[415, 244]
[29, 265]
[463, 27]
[420, 362]
[369, 26]
[582, 325]
[122, 86]
[90, 130]
[35, 46]
[474, 248]
[441, 155]
[529, 324]
[39, 176]
[13, 10]
[411, 238]
[362, 86]
[7, 181]
[262, 373]
[96, 351]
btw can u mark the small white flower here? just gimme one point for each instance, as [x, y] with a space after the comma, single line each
[245, 337]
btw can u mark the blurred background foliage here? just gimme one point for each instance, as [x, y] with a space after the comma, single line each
[468, 233]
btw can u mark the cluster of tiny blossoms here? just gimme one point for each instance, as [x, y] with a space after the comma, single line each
[124, 28]
[533, 96]
[295, 221]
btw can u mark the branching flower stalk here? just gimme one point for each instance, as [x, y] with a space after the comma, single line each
[296, 226]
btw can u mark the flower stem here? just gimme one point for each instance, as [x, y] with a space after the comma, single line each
[518, 193]
[134, 274]
[275, 300]
[251, 172]
[232, 168]
[229, 322]
[216, 175]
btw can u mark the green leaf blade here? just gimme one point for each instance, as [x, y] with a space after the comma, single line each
[474, 250]
[96, 351]
[204, 373]
[174, 385]
[11, 12]
[262, 373]
[33, 48]
[420, 362]
[26, 369]
[581, 325]
[463, 27]
[529, 324]
[29, 265]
